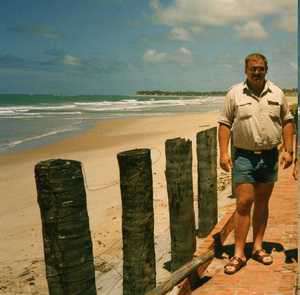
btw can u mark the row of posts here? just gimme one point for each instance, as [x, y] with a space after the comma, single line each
[65, 223]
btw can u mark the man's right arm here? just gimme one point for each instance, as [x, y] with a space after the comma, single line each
[225, 122]
[224, 136]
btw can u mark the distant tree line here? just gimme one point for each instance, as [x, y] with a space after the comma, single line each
[291, 92]
[294, 111]
[180, 93]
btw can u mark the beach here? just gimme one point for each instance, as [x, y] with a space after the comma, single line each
[21, 248]
[22, 266]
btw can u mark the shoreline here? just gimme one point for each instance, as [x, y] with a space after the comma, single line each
[39, 140]
[85, 140]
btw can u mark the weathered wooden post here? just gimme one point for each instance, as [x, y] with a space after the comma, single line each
[139, 274]
[180, 196]
[207, 181]
[65, 224]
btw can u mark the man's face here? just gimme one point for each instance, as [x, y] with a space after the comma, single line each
[256, 72]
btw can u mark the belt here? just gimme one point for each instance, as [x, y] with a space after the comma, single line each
[256, 152]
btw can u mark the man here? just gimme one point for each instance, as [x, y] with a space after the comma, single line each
[256, 113]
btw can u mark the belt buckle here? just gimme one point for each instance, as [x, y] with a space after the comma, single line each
[257, 152]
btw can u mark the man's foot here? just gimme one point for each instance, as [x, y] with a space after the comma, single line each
[262, 256]
[234, 265]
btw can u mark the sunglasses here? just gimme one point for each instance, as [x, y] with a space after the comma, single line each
[257, 69]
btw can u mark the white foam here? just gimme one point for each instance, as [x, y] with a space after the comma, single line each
[125, 105]
[5, 112]
[54, 107]
[132, 104]
[93, 103]
[12, 144]
[61, 113]
[80, 111]
[130, 100]
[37, 107]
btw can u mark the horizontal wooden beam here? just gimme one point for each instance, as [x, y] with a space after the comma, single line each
[184, 271]
[202, 257]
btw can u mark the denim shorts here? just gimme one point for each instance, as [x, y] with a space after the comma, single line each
[249, 167]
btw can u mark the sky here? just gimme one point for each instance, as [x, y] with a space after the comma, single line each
[73, 47]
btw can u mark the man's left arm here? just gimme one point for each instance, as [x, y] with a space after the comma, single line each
[287, 135]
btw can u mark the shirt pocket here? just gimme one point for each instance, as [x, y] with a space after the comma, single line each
[273, 109]
[244, 110]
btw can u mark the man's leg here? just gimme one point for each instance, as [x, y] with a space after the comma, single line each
[260, 216]
[244, 193]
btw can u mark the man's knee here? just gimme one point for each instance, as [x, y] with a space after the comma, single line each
[245, 197]
[244, 206]
[263, 192]
[261, 204]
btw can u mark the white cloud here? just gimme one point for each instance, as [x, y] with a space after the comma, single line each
[203, 13]
[153, 56]
[155, 4]
[212, 13]
[180, 34]
[71, 60]
[252, 30]
[185, 51]
[182, 56]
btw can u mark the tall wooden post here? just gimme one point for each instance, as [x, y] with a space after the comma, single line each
[207, 181]
[139, 274]
[180, 196]
[65, 223]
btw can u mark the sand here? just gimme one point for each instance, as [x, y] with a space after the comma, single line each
[22, 269]
[21, 247]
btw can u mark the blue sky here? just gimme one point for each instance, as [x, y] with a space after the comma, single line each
[119, 47]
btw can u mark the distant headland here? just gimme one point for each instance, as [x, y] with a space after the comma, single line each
[287, 91]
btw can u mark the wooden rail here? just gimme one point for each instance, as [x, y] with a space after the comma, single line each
[211, 247]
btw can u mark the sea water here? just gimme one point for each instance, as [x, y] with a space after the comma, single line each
[28, 121]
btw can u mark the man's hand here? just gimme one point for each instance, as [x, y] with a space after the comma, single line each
[296, 170]
[286, 160]
[225, 162]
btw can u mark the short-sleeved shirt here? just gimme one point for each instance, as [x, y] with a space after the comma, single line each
[256, 121]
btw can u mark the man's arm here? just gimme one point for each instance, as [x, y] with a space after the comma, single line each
[224, 136]
[287, 135]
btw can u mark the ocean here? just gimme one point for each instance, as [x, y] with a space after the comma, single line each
[28, 121]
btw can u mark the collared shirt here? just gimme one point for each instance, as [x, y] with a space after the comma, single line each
[256, 121]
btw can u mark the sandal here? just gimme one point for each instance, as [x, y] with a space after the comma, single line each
[262, 256]
[234, 265]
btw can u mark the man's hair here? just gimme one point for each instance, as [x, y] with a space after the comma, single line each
[255, 56]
